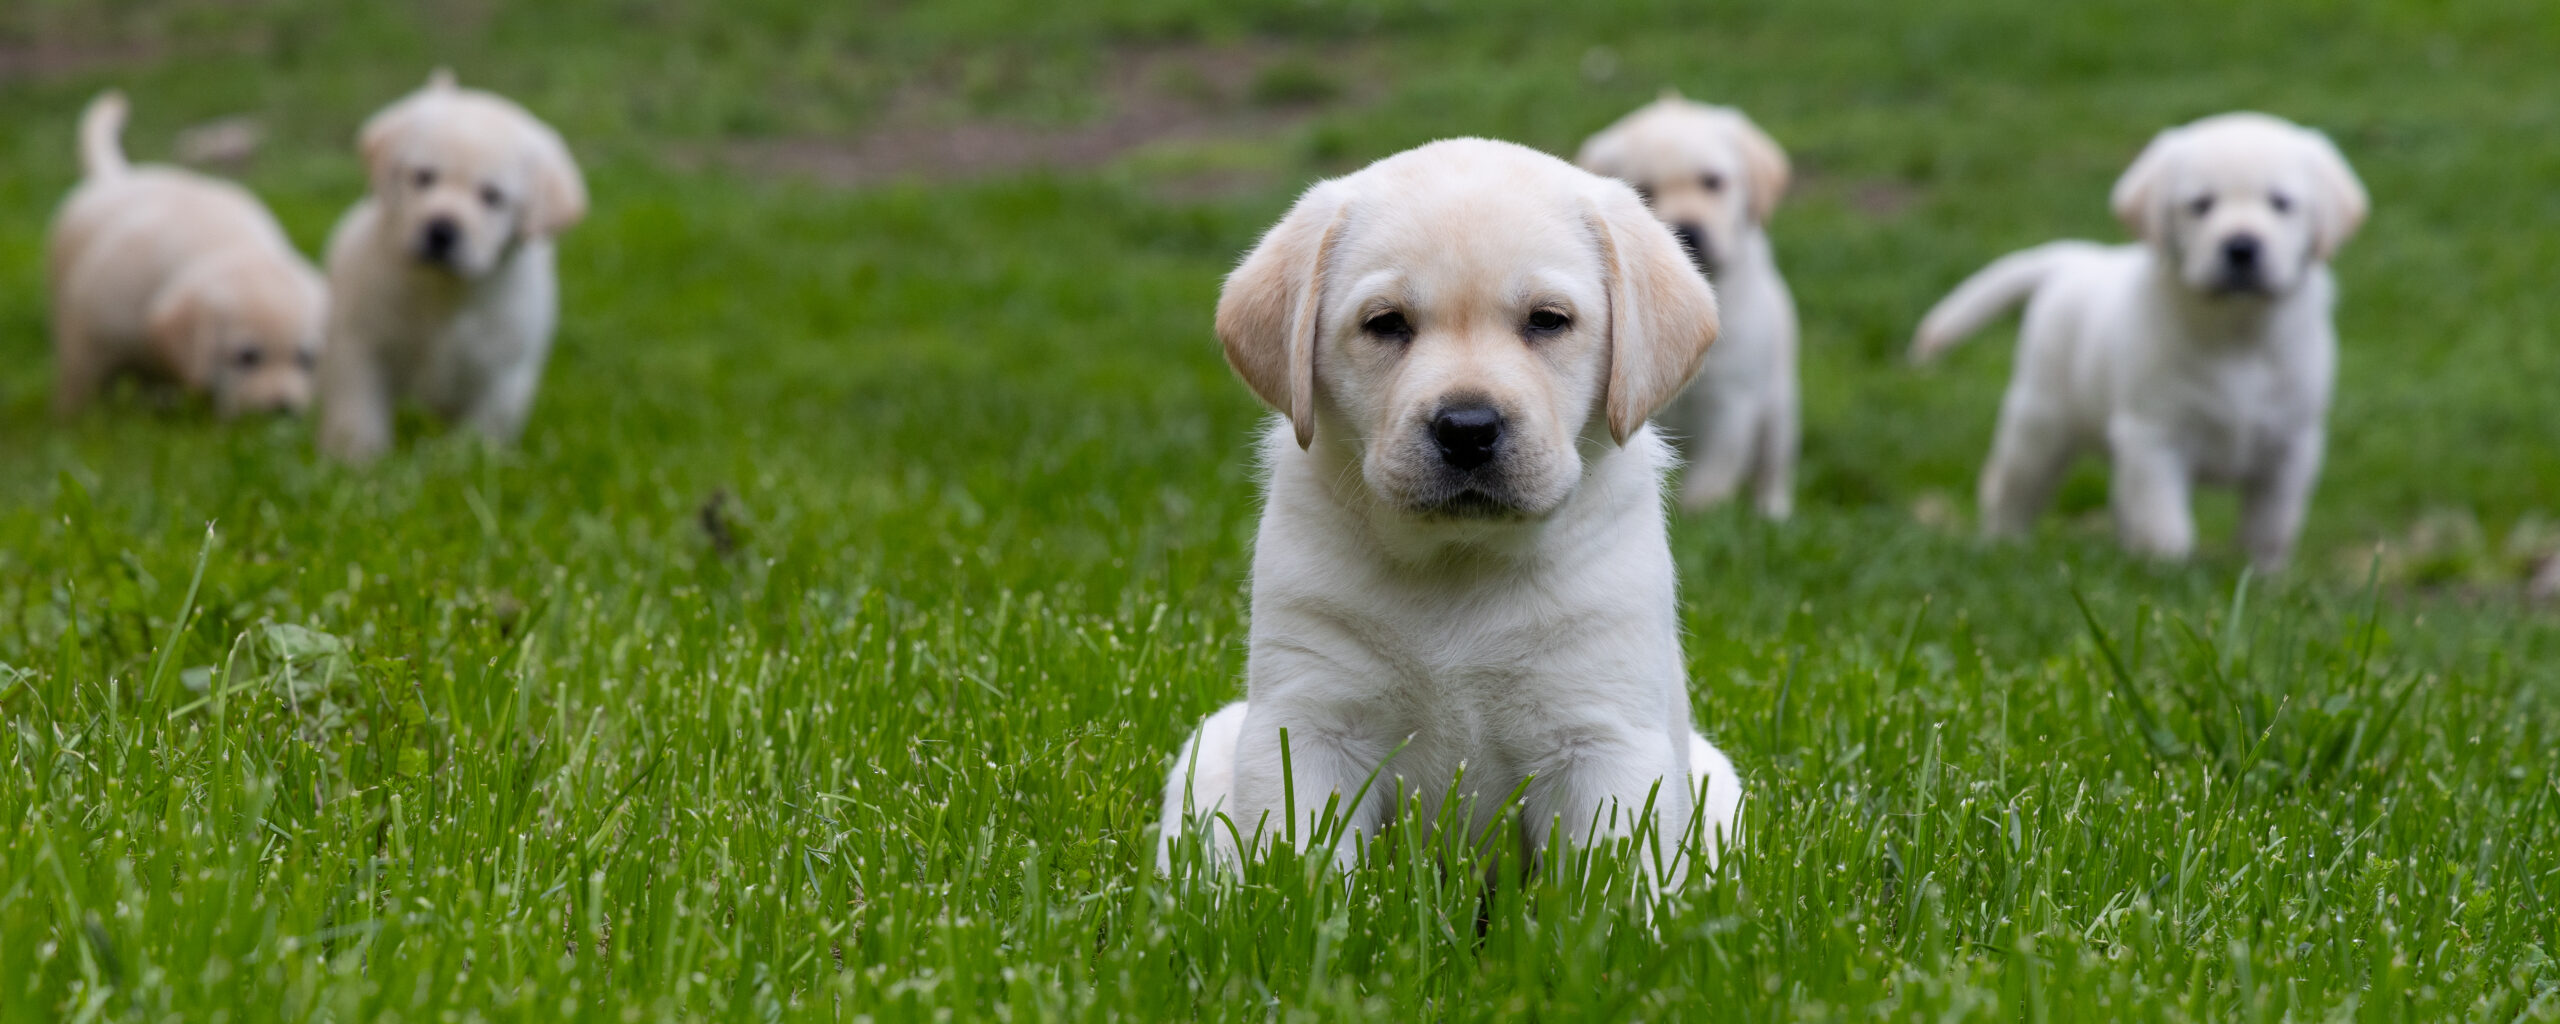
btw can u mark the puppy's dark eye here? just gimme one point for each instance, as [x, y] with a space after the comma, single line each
[2281, 202]
[1548, 321]
[2200, 205]
[424, 177]
[1388, 326]
[491, 197]
[248, 358]
[1711, 182]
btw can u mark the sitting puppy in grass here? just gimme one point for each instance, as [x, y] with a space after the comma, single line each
[1715, 177]
[444, 275]
[2205, 354]
[173, 276]
[1463, 558]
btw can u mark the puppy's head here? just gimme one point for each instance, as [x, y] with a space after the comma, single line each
[2241, 204]
[1461, 318]
[1707, 171]
[244, 327]
[463, 176]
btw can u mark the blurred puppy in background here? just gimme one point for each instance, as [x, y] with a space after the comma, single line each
[1463, 559]
[2205, 354]
[1715, 177]
[444, 275]
[174, 276]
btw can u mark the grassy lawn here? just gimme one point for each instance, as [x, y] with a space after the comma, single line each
[884, 524]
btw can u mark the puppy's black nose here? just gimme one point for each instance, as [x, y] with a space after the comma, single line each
[2241, 251]
[1467, 434]
[1695, 241]
[440, 237]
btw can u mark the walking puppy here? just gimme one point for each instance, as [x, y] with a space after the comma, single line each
[174, 276]
[446, 293]
[1715, 178]
[2203, 355]
[1462, 558]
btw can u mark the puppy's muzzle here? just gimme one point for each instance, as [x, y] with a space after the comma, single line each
[2244, 265]
[1475, 475]
[440, 241]
[2240, 252]
[1467, 435]
[1694, 240]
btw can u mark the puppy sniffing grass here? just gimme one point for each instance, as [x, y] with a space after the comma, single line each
[2203, 355]
[444, 275]
[1463, 558]
[1716, 178]
[174, 276]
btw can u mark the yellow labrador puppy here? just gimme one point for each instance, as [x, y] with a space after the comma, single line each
[2203, 355]
[1463, 557]
[174, 276]
[1715, 177]
[444, 275]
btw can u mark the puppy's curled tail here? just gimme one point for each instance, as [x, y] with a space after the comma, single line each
[1986, 295]
[100, 127]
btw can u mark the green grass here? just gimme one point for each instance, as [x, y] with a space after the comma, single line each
[512, 735]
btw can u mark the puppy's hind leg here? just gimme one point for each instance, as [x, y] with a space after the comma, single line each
[1200, 788]
[2028, 458]
[81, 370]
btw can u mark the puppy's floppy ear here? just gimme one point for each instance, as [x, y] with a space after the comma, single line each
[559, 192]
[2342, 204]
[1604, 154]
[1269, 311]
[173, 322]
[1662, 314]
[374, 142]
[1765, 163]
[2138, 200]
[381, 128]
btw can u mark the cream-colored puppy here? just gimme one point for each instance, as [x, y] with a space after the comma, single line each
[444, 275]
[2203, 355]
[174, 276]
[1715, 177]
[1462, 559]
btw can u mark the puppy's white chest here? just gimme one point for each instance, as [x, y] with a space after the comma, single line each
[469, 350]
[1508, 678]
[2239, 415]
[464, 338]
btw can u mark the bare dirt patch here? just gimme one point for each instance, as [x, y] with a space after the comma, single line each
[49, 42]
[1148, 96]
[37, 60]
